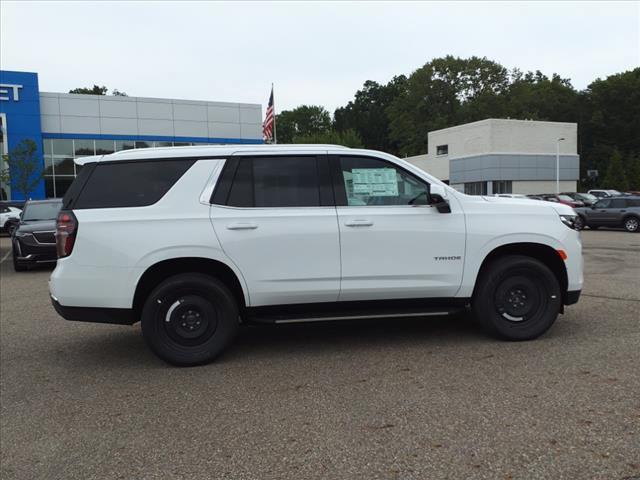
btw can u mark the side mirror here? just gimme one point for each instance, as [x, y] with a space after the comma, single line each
[438, 197]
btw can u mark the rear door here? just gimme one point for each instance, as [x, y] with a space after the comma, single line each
[393, 244]
[276, 219]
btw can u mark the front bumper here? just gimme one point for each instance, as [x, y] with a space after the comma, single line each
[118, 316]
[29, 251]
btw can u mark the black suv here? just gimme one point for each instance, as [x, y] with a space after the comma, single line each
[33, 241]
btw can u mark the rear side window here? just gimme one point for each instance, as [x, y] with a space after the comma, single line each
[130, 184]
[287, 181]
[618, 203]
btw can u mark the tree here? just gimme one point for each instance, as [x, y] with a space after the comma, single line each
[616, 177]
[367, 114]
[347, 138]
[610, 119]
[97, 90]
[25, 171]
[302, 121]
[633, 172]
[434, 96]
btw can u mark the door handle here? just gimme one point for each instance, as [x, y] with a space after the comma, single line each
[242, 226]
[358, 223]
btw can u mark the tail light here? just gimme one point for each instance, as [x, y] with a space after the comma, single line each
[66, 230]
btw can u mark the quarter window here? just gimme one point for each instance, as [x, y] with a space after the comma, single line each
[373, 182]
[130, 184]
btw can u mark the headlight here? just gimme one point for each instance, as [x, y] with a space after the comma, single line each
[569, 221]
[22, 234]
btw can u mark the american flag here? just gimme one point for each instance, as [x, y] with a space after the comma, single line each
[268, 126]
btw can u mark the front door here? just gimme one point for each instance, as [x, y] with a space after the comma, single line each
[393, 244]
[277, 222]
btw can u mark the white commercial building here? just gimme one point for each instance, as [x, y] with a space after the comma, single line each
[504, 156]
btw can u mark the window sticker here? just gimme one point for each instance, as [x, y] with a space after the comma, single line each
[375, 182]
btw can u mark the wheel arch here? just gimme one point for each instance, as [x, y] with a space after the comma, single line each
[541, 252]
[160, 271]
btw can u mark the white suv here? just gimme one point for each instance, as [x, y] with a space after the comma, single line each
[193, 241]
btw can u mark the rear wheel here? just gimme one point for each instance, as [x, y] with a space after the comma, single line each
[631, 224]
[189, 319]
[517, 298]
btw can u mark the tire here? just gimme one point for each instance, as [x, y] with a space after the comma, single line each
[594, 227]
[11, 228]
[16, 266]
[631, 224]
[517, 298]
[579, 222]
[189, 319]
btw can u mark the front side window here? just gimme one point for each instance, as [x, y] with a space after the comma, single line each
[284, 181]
[603, 203]
[370, 181]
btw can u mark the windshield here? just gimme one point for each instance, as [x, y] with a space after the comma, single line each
[565, 198]
[587, 196]
[41, 211]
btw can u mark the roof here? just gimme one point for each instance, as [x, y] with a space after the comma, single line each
[207, 151]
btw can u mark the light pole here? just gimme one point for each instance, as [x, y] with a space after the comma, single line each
[558, 163]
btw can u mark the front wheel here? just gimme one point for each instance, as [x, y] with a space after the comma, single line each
[579, 223]
[517, 298]
[631, 224]
[189, 319]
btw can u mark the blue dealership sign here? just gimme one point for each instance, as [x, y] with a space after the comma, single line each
[20, 104]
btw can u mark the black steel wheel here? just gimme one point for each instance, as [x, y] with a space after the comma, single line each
[517, 298]
[189, 319]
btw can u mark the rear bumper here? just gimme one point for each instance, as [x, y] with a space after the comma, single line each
[118, 316]
[572, 297]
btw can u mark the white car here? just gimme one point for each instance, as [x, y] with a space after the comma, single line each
[192, 241]
[604, 193]
[9, 217]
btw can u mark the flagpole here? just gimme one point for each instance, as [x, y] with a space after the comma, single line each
[275, 135]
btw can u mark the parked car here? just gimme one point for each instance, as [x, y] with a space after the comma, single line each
[13, 203]
[9, 218]
[586, 198]
[509, 195]
[192, 241]
[33, 241]
[605, 193]
[564, 199]
[611, 212]
[535, 197]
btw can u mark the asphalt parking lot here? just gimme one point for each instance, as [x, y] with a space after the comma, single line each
[420, 398]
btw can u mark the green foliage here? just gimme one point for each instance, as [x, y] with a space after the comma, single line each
[367, 114]
[97, 90]
[347, 138]
[302, 121]
[616, 177]
[633, 172]
[25, 169]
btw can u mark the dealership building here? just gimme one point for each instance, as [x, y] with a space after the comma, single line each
[67, 126]
[504, 156]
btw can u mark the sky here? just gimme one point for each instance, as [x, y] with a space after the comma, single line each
[317, 53]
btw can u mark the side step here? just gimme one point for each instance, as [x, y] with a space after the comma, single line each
[352, 311]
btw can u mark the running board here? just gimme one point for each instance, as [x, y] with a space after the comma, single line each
[350, 311]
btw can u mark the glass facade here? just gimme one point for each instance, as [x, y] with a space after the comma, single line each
[475, 188]
[59, 155]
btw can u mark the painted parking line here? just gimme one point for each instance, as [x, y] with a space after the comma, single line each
[5, 257]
